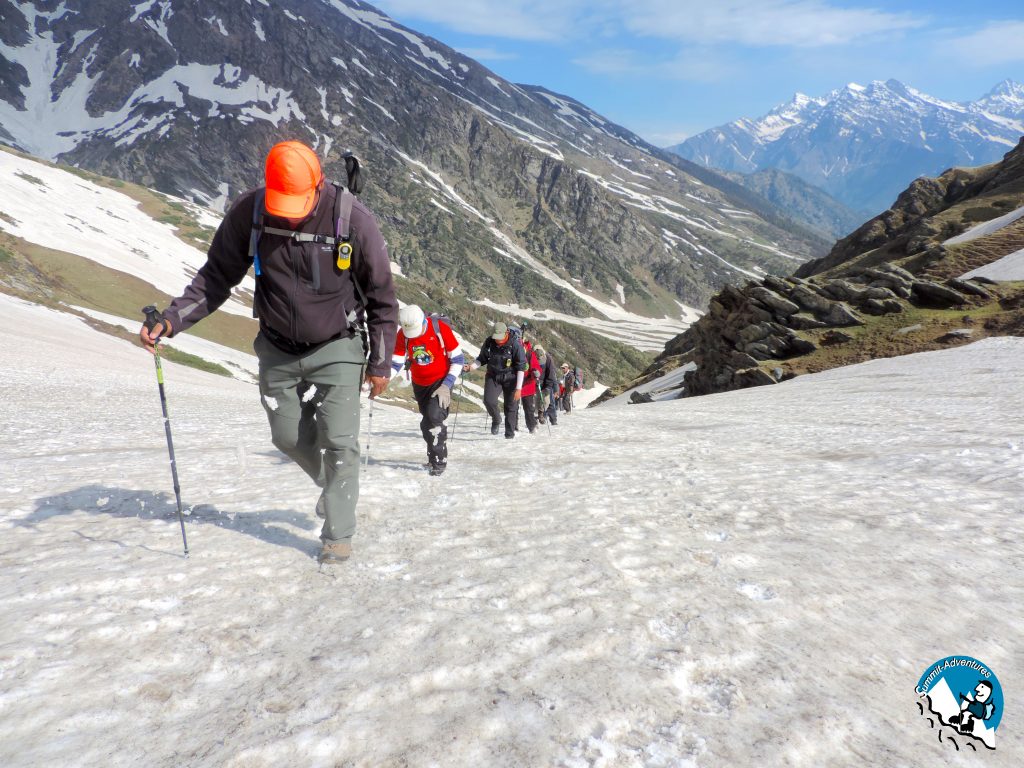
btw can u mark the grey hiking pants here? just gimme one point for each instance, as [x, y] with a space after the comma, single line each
[312, 403]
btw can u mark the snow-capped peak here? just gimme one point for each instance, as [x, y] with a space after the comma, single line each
[831, 140]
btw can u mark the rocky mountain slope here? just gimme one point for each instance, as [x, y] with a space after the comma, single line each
[912, 279]
[487, 191]
[806, 203]
[863, 144]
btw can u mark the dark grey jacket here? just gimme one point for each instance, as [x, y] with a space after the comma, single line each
[549, 377]
[292, 310]
[503, 360]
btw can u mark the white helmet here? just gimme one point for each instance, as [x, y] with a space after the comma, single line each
[411, 319]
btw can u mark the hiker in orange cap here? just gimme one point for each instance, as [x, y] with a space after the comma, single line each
[326, 305]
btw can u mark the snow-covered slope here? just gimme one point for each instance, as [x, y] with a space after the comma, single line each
[864, 144]
[747, 579]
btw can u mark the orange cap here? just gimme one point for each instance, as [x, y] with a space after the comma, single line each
[293, 175]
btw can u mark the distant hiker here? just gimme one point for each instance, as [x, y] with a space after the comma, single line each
[506, 362]
[548, 385]
[435, 362]
[322, 269]
[530, 388]
[568, 387]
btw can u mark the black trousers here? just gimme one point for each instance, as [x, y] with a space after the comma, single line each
[435, 431]
[530, 409]
[506, 389]
[552, 408]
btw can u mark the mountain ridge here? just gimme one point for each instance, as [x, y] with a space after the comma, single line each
[533, 196]
[864, 144]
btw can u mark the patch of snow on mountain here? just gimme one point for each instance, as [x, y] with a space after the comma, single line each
[647, 334]
[1010, 267]
[58, 210]
[986, 227]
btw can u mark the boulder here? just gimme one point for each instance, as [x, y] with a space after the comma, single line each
[752, 377]
[841, 315]
[878, 292]
[771, 299]
[959, 334]
[910, 329]
[759, 351]
[798, 346]
[778, 285]
[804, 322]
[966, 286]
[738, 360]
[831, 338]
[754, 333]
[935, 295]
[881, 307]
[758, 314]
[843, 290]
[810, 300]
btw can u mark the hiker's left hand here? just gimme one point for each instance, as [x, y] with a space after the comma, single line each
[518, 395]
[377, 384]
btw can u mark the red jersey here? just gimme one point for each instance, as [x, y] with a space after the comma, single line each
[428, 358]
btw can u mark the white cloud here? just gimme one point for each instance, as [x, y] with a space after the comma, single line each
[509, 19]
[997, 43]
[693, 65]
[488, 54]
[787, 23]
[757, 23]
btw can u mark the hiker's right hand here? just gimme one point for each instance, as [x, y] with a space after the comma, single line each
[150, 336]
[467, 368]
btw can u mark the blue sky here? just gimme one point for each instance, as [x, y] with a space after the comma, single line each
[671, 68]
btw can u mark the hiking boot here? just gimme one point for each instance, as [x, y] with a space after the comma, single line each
[321, 507]
[495, 427]
[335, 552]
[511, 436]
[437, 469]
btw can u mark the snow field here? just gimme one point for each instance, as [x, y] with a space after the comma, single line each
[756, 578]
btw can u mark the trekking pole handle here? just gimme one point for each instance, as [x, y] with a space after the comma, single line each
[153, 317]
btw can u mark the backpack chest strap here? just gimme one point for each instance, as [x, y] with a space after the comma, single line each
[305, 237]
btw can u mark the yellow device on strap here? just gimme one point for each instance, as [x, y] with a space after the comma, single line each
[344, 256]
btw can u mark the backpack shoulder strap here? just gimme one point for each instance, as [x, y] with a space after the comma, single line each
[257, 229]
[435, 323]
[343, 200]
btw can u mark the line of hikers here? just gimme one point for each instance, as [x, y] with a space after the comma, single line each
[516, 371]
[329, 325]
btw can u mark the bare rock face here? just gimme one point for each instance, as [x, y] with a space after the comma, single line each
[747, 328]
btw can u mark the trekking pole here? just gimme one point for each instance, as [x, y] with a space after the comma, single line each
[152, 318]
[369, 434]
[455, 421]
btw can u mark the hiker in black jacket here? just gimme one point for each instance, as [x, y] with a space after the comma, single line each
[549, 379]
[321, 267]
[506, 362]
